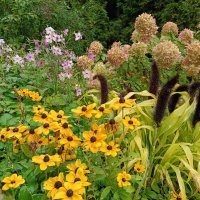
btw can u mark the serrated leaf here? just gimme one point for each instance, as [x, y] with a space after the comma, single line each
[105, 192]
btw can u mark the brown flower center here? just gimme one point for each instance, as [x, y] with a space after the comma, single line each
[46, 159]
[138, 169]
[121, 100]
[7, 129]
[2, 136]
[70, 138]
[178, 198]
[59, 116]
[40, 142]
[46, 125]
[109, 147]
[70, 193]
[76, 170]
[43, 116]
[31, 131]
[15, 129]
[112, 121]
[130, 121]
[65, 125]
[84, 109]
[101, 109]
[77, 179]
[57, 184]
[93, 139]
[60, 150]
[123, 180]
[12, 182]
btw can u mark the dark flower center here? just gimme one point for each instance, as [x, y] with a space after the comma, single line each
[138, 169]
[70, 153]
[178, 198]
[2, 136]
[50, 139]
[7, 129]
[84, 109]
[121, 100]
[40, 142]
[77, 179]
[15, 130]
[123, 180]
[130, 122]
[93, 139]
[43, 116]
[38, 108]
[95, 131]
[70, 138]
[101, 109]
[59, 116]
[46, 125]
[60, 150]
[70, 193]
[112, 121]
[109, 147]
[12, 182]
[76, 170]
[65, 125]
[57, 184]
[46, 159]
[31, 131]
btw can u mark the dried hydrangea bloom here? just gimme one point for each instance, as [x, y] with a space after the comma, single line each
[135, 36]
[84, 62]
[166, 54]
[117, 56]
[100, 68]
[192, 71]
[186, 36]
[138, 49]
[116, 44]
[192, 57]
[95, 47]
[170, 27]
[146, 26]
[126, 49]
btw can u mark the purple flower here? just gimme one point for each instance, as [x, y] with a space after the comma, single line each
[91, 56]
[48, 39]
[49, 30]
[57, 38]
[56, 51]
[38, 63]
[65, 32]
[87, 74]
[36, 42]
[30, 57]
[78, 91]
[78, 36]
[18, 60]
[62, 75]
[67, 64]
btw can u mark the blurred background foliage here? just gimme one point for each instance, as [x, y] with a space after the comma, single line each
[103, 20]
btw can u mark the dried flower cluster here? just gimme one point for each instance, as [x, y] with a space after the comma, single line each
[146, 26]
[166, 54]
[84, 62]
[170, 27]
[186, 36]
[95, 47]
[138, 49]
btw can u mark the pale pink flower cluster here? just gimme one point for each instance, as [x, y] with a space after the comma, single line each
[56, 51]
[95, 47]
[67, 64]
[170, 27]
[64, 75]
[146, 26]
[30, 57]
[18, 60]
[135, 36]
[166, 54]
[192, 57]
[51, 36]
[117, 55]
[186, 36]
[78, 36]
[138, 49]
[84, 62]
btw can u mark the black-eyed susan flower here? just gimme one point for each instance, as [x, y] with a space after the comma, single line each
[31, 135]
[53, 184]
[123, 179]
[3, 135]
[93, 141]
[70, 140]
[38, 109]
[112, 126]
[42, 142]
[79, 176]
[86, 111]
[16, 132]
[13, 181]
[58, 116]
[70, 192]
[101, 111]
[121, 102]
[98, 128]
[47, 127]
[78, 164]
[46, 161]
[68, 154]
[35, 96]
[23, 92]
[110, 149]
[64, 127]
[139, 168]
[42, 117]
[130, 122]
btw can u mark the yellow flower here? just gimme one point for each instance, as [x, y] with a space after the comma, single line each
[123, 179]
[23, 92]
[46, 160]
[35, 96]
[47, 127]
[31, 135]
[78, 165]
[42, 142]
[12, 181]
[68, 154]
[79, 176]
[70, 192]
[16, 132]
[38, 109]
[93, 141]
[58, 116]
[54, 184]
[139, 168]
[121, 102]
[86, 111]
[101, 110]
[175, 196]
[70, 140]
[42, 117]
[110, 149]
[3, 134]
[130, 122]
[64, 127]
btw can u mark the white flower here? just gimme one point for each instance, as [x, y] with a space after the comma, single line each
[78, 36]
[49, 30]
[18, 60]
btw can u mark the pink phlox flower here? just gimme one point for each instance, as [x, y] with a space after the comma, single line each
[78, 36]
[67, 64]
[56, 51]
[18, 60]
[87, 74]
[30, 57]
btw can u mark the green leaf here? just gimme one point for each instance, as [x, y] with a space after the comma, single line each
[25, 149]
[105, 192]
[25, 194]
[40, 197]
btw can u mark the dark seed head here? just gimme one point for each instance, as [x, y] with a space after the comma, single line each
[76, 170]
[77, 179]
[57, 184]
[93, 139]
[70, 138]
[43, 116]
[101, 109]
[31, 131]
[123, 180]
[46, 125]
[7, 129]
[109, 147]
[12, 182]
[65, 125]
[2, 136]
[70, 193]
[130, 122]
[121, 100]
[46, 159]
[15, 130]
[178, 198]
[59, 116]
[84, 109]
[112, 121]
[60, 151]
